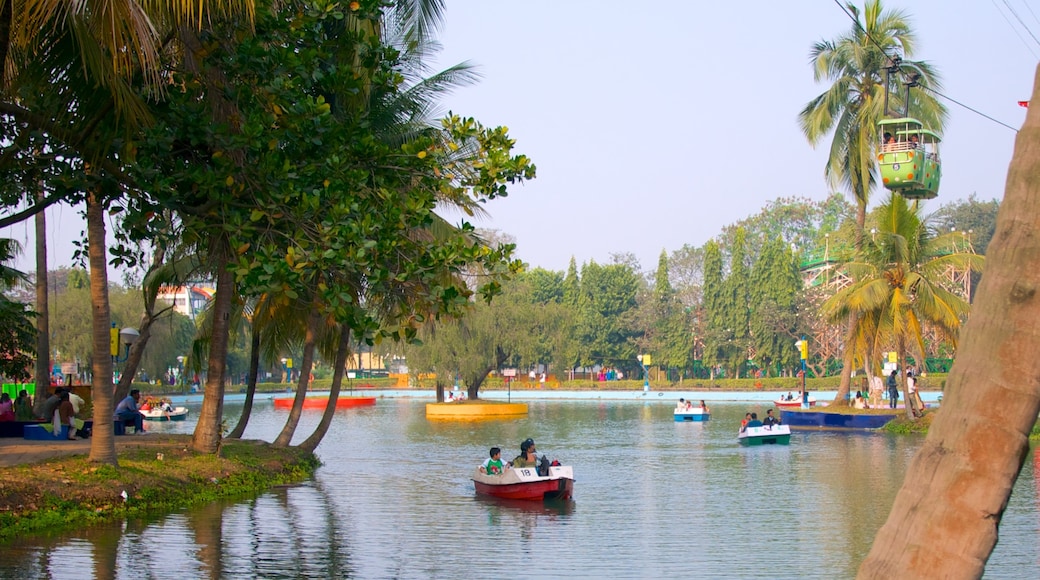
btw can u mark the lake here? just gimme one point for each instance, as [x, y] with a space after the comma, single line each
[653, 498]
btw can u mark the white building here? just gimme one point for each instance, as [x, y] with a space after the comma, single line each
[188, 300]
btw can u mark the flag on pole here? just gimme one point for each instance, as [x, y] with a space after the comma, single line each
[1023, 104]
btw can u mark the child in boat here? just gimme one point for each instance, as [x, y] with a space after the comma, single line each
[681, 406]
[493, 465]
[704, 408]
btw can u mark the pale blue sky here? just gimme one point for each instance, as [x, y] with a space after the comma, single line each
[655, 124]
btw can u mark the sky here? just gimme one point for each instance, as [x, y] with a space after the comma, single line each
[655, 124]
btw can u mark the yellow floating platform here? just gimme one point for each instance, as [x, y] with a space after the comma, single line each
[478, 409]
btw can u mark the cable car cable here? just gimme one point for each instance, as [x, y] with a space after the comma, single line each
[967, 107]
[884, 52]
[1019, 19]
[1017, 33]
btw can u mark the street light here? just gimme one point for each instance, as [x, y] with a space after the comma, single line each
[125, 338]
[803, 353]
[644, 359]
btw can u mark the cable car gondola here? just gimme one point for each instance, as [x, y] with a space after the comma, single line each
[908, 155]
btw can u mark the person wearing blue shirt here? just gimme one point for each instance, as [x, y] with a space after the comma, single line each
[754, 422]
[126, 410]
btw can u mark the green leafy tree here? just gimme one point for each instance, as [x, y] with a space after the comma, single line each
[775, 294]
[715, 335]
[672, 341]
[608, 299]
[736, 307]
[511, 329]
[18, 338]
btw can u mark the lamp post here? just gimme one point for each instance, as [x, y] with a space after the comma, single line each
[125, 338]
[644, 359]
[180, 373]
[803, 351]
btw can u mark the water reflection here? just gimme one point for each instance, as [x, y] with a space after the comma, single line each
[394, 499]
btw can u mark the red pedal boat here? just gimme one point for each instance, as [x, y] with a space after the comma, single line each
[525, 483]
[322, 402]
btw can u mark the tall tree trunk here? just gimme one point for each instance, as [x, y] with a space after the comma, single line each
[945, 518]
[43, 320]
[206, 438]
[254, 369]
[102, 442]
[285, 437]
[311, 443]
[901, 349]
[848, 362]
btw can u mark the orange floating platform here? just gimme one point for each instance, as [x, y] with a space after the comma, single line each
[322, 402]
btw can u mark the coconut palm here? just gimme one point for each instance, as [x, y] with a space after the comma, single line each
[898, 286]
[856, 64]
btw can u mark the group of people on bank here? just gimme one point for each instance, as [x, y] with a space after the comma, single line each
[891, 384]
[64, 408]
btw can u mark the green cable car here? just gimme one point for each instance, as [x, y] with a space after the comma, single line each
[908, 155]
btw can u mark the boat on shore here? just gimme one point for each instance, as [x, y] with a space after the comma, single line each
[322, 402]
[765, 435]
[524, 483]
[159, 414]
[693, 414]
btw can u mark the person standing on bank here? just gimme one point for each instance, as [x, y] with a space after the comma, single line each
[893, 390]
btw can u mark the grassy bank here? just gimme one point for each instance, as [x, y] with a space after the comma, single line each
[161, 477]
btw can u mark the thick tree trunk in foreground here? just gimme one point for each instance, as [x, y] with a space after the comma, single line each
[254, 370]
[944, 521]
[102, 440]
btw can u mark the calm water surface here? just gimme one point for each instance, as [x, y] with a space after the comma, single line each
[653, 498]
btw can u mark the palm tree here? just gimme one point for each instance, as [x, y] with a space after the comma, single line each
[856, 64]
[898, 287]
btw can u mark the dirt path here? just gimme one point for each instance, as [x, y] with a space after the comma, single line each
[15, 451]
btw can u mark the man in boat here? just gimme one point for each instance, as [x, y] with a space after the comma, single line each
[770, 420]
[681, 406]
